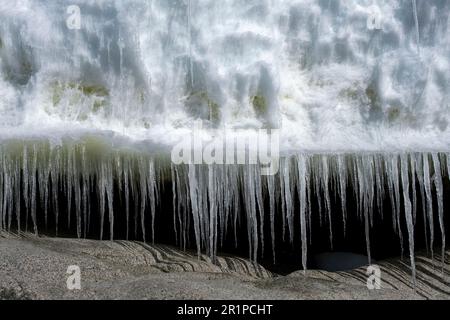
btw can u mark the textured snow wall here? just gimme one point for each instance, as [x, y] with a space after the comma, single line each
[345, 75]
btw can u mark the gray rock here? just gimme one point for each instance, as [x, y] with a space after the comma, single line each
[36, 268]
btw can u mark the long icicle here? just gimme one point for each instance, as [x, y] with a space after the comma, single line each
[302, 169]
[440, 200]
[408, 213]
[429, 202]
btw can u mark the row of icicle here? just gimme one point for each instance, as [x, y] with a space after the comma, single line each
[213, 200]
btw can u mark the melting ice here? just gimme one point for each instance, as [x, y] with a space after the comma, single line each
[358, 108]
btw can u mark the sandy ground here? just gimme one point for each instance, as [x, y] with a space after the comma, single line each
[36, 268]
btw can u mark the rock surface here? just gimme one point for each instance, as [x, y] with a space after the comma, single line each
[36, 268]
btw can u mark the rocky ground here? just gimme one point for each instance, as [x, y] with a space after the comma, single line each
[36, 268]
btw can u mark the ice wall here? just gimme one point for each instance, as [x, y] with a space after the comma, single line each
[358, 89]
[332, 75]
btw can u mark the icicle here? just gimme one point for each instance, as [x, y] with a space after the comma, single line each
[222, 194]
[174, 201]
[33, 189]
[209, 197]
[152, 192]
[230, 204]
[3, 193]
[69, 186]
[102, 199]
[109, 190]
[282, 200]
[408, 213]
[77, 193]
[10, 205]
[288, 199]
[25, 184]
[325, 181]
[343, 189]
[54, 172]
[212, 212]
[43, 186]
[302, 169]
[440, 201]
[259, 201]
[362, 173]
[271, 190]
[2, 189]
[448, 165]
[85, 192]
[226, 205]
[193, 192]
[203, 205]
[9, 197]
[236, 199]
[416, 161]
[18, 195]
[355, 182]
[4, 199]
[429, 202]
[414, 190]
[394, 180]
[309, 195]
[143, 193]
[361, 187]
[185, 208]
[134, 178]
[317, 191]
[369, 167]
[380, 184]
[250, 204]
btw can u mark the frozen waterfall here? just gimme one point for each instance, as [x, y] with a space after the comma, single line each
[359, 91]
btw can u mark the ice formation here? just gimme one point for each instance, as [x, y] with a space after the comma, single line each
[215, 199]
[358, 89]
